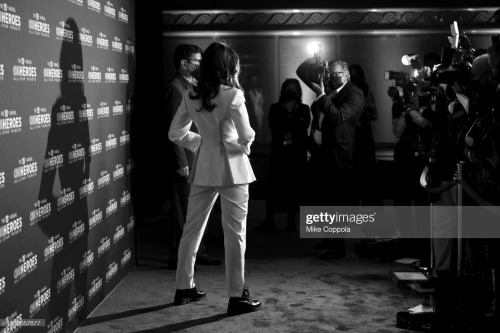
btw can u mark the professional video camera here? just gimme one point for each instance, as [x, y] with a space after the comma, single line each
[411, 89]
[461, 119]
[424, 81]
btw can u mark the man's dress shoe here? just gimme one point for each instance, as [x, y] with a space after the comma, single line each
[185, 296]
[243, 304]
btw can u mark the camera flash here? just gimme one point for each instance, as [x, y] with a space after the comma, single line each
[314, 48]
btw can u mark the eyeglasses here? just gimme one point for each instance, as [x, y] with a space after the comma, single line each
[194, 61]
[338, 74]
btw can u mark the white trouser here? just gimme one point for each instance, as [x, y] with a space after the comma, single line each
[234, 206]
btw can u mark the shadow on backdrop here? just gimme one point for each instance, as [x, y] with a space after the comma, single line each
[68, 139]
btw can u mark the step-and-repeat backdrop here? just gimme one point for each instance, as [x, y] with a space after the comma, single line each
[67, 72]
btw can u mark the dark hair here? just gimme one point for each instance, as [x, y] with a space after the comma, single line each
[297, 85]
[220, 66]
[361, 84]
[184, 51]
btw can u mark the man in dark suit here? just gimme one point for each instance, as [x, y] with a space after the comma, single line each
[187, 60]
[335, 114]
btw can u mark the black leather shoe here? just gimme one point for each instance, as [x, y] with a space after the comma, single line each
[332, 254]
[243, 304]
[185, 296]
[203, 259]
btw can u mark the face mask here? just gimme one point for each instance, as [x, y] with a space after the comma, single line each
[290, 95]
[196, 73]
[336, 82]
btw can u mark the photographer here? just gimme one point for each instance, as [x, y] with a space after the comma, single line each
[289, 119]
[445, 125]
[413, 132]
[483, 150]
[494, 159]
[336, 112]
[494, 60]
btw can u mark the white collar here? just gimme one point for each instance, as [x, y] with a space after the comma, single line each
[188, 80]
[339, 89]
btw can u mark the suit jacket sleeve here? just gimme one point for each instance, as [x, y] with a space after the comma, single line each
[239, 115]
[173, 100]
[351, 105]
[179, 132]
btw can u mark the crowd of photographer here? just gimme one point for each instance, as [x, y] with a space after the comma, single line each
[447, 119]
[446, 116]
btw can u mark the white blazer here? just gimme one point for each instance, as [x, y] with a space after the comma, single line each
[224, 140]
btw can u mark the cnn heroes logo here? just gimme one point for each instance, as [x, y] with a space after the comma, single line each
[27, 169]
[102, 42]
[64, 32]
[122, 15]
[24, 70]
[52, 73]
[116, 44]
[94, 6]
[27, 265]
[85, 37]
[109, 10]
[40, 119]
[9, 18]
[336, 217]
[10, 122]
[10, 225]
[38, 26]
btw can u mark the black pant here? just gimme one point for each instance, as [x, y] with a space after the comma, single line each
[330, 187]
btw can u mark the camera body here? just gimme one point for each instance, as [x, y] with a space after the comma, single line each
[315, 69]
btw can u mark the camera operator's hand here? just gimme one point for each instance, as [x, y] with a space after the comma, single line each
[183, 172]
[319, 89]
[418, 119]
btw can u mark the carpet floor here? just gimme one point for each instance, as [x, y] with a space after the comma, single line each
[299, 292]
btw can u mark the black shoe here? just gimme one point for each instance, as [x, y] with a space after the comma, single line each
[203, 259]
[332, 254]
[243, 304]
[185, 296]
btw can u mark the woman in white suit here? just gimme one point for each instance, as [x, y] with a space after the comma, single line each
[221, 166]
